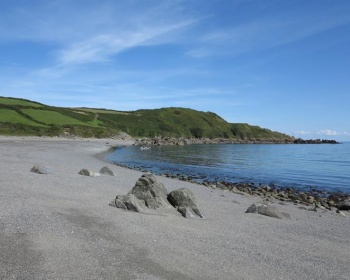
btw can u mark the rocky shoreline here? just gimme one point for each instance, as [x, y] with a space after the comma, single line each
[173, 141]
[310, 198]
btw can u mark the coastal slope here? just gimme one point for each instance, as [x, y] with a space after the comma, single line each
[25, 117]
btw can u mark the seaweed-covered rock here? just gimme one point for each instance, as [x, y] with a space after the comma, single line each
[185, 202]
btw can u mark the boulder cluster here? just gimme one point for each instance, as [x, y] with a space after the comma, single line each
[149, 193]
[314, 198]
[104, 171]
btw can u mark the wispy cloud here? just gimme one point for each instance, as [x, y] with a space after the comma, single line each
[302, 132]
[101, 47]
[268, 32]
[328, 132]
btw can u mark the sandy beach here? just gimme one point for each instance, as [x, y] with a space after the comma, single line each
[60, 226]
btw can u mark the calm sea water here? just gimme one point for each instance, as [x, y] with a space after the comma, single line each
[324, 166]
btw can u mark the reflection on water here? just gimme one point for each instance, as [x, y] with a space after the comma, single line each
[326, 166]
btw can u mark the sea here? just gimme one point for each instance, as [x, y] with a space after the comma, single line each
[322, 166]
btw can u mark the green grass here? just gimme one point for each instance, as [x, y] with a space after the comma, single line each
[101, 111]
[20, 116]
[20, 102]
[53, 118]
[11, 116]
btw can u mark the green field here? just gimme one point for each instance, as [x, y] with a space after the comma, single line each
[52, 117]
[11, 116]
[100, 111]
[20, 102]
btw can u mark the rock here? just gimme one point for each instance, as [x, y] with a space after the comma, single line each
[127, 202]
[344, 205]
[106, 171]
[40, 170]
[149, 193]
[152, 192]
[86, 172]
[221, 186]
[267, 210]
[237, 191]
[303, 196]
[185, 202]
[340, 213]
[310, 199]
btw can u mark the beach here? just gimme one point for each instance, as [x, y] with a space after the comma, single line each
[60, 225]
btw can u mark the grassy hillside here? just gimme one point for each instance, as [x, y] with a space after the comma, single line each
[25, 117]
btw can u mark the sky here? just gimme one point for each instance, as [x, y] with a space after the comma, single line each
[280, 64]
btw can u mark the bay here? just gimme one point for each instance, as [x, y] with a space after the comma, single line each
[324, 166]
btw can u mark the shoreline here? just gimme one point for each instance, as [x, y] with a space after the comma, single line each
[314, 196]
[307, 196]
[173, 141]
[60, 226]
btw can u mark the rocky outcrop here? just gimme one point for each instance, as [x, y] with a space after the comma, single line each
[106, 171]
[267, 210]
[185, 202]
[40, 170]
[314, 141]
[149, 194]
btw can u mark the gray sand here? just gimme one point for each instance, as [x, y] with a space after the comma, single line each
[59, 226]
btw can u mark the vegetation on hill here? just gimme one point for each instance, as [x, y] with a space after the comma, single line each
[24, 117]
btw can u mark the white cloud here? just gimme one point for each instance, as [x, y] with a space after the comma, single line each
[301, 132]
[328, 132]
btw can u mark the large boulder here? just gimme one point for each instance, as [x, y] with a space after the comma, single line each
[185, 202]
[267, 210]
[152, 192]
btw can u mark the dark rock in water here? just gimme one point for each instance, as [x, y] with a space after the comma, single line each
[106, 171]
[40, 170]
[86, 172]
[344, 205]
[152, 192]
[267, 210]
[185, 202]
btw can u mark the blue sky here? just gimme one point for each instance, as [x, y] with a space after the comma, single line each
[279, 64]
